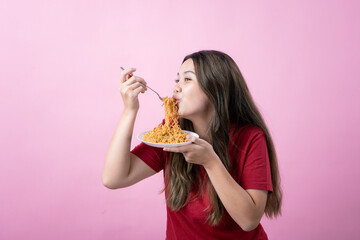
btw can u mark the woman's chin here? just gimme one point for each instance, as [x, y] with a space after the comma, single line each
[183, 114]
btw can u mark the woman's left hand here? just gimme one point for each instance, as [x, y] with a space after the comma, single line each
[199, 152]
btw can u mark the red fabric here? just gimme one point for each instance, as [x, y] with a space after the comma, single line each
[250, 168]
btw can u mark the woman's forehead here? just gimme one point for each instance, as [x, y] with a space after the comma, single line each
[187, 66]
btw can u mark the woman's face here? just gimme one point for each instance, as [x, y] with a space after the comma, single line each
[192, 101]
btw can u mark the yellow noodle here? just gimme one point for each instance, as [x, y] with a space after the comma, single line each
[170, 132]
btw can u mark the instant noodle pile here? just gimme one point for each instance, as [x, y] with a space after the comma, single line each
[170, 132]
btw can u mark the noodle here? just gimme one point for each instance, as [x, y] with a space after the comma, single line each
[170, 132]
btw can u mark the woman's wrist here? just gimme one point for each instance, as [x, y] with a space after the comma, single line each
[130, 112]
[212, 163]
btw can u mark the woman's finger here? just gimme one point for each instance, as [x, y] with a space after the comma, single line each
[139, 89]
[125, 73]
[128, 82]
[136, 85]
[132, 80]
[131, 85]
[181, 149]
[140, 79]
[196, 140]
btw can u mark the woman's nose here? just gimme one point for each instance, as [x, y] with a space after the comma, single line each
[177, 88]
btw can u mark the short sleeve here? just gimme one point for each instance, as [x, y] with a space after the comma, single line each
[153, 157]
[256, 170]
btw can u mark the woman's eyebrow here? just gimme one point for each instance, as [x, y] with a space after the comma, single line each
[189, 71]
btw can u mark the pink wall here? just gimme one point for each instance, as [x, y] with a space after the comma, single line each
[60, 106]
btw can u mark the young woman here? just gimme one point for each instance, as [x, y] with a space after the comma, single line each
[219, 186]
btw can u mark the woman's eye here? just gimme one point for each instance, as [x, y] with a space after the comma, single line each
[185, 79]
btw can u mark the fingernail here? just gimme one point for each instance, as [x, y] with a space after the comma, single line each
[188, 137]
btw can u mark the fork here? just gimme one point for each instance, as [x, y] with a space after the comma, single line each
[147, 87]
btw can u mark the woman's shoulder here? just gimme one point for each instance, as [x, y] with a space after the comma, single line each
[241, 138]
[247, 130]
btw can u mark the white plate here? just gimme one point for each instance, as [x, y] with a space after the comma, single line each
[162, 145]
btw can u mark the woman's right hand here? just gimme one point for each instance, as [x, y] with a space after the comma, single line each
[130, 87]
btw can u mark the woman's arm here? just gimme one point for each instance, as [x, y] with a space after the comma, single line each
[121, 168]
[246, 207]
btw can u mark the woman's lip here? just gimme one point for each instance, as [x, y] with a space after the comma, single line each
[177, 100]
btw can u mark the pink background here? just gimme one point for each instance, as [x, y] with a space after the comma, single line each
[59, 68]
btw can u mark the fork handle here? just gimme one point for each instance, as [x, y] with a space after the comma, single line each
[154, 92]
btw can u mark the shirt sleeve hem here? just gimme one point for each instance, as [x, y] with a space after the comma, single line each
[258, 187]
[150, 162]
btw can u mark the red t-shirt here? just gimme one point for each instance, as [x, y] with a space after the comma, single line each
[251, 170]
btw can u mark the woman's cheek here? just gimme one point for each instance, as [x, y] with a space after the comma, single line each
[180, 110]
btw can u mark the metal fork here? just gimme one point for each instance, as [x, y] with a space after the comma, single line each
[147, 87]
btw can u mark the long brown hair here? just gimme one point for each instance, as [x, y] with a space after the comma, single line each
[221, 80]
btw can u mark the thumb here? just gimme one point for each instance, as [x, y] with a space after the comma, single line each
[194, 139]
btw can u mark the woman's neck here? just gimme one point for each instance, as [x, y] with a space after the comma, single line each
[201, 124]
[202, 127]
